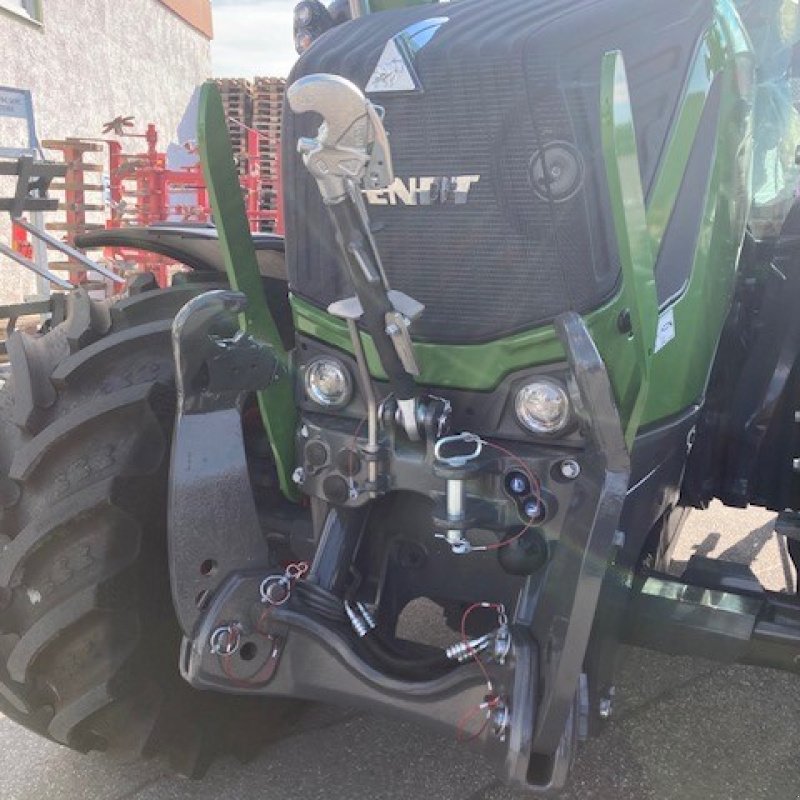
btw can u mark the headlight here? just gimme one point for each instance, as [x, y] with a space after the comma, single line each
[542, 406]
[328, 383]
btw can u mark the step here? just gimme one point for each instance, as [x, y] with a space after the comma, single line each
[713, 573]
[80, 166]
[29, 204]
[58, 186]
[38, 169]
[670, 616]
[77, 144]
[81, 207]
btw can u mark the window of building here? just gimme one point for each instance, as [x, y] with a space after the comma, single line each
[29, 9]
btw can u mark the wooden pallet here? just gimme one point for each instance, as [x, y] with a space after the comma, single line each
[237, 100]
[257, 104]
[261, 82]
[268, 96]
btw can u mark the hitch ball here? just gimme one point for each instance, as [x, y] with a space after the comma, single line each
[526, 554]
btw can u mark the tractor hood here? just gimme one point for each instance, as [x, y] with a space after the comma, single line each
[498, 220]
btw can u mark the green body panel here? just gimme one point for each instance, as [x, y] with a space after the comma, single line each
[276, 403]
[477, 367]
[680, 370]
[648, 386]
[635, 246]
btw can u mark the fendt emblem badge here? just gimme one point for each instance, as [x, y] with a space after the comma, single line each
[427, 191]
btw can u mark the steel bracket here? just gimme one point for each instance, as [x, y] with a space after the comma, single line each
[561, 612]
[213, 525]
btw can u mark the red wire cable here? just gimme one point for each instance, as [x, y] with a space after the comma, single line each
[461, 726]
[491, 699]
[465, 639]
[536, 486]
[263, 673]
[535, 482]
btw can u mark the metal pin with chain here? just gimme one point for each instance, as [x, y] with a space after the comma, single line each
[276, 590]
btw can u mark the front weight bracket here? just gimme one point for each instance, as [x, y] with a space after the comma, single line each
[213, 526]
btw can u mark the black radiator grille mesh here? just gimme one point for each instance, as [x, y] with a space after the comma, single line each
[499, 91]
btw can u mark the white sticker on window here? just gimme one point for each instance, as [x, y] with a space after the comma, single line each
[665, 330]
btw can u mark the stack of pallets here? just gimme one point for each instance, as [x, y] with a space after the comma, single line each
[267, 107]
[81, 196]
[237, 99]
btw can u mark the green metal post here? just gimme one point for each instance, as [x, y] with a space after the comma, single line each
[630, 222]
[277, 402]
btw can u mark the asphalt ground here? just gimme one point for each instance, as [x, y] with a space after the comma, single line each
[682, 728]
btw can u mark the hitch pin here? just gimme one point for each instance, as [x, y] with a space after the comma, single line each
[276, 590]
[456, 489]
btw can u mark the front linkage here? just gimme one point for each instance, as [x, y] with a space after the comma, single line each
[325, 630]
[518, 542]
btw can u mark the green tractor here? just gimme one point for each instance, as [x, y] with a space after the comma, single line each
[536, 301]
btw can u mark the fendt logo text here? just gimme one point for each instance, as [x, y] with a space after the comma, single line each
[424, 191]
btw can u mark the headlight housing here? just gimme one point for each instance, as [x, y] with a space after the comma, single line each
[328, 382]
[543, 406]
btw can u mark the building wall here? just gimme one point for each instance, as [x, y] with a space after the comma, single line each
[90, 61]
[195, 12]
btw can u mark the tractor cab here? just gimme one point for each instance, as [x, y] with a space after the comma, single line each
[774, 30]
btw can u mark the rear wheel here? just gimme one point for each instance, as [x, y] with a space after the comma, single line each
[88, 639]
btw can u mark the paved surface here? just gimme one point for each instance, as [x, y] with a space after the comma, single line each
[683, 729]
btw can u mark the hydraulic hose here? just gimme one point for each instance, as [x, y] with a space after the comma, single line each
[324, 590]
[338, 542]
[320, 601]
[411, 668]
[374, 645]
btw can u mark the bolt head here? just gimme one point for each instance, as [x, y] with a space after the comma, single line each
[299, 476]
[518, 483]
[532, 508]
[570, 469]
[500, 718]
[605, 708]
[461, 546]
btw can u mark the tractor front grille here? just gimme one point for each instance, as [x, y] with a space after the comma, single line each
[511, 88]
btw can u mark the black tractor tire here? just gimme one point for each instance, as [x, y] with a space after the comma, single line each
[88, 638]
